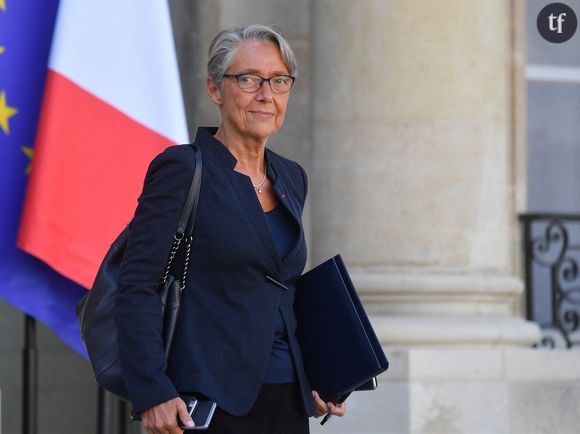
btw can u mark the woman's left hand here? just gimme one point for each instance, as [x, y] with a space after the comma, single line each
[323, 408]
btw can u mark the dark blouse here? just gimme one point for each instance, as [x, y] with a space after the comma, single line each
[285, 234]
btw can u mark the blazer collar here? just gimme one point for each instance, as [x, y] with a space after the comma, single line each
[221, 155]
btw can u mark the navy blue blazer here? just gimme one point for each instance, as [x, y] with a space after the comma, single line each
[224, 338]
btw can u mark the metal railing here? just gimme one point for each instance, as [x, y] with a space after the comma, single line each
[552, 275]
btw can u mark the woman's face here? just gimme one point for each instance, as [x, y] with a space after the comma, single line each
[255, 115]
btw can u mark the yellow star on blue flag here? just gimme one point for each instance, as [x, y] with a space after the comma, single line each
[29, 152]
[3, 5]
[6, 112]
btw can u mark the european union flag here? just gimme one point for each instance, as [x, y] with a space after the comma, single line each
[25, 35]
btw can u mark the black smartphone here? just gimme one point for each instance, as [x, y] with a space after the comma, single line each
[200, 410]
[203, 414]
[191, 403]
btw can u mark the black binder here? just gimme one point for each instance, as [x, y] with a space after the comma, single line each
[340, 349]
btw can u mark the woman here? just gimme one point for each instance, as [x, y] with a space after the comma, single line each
[235, 339]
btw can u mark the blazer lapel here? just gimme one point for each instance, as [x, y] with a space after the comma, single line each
[286, 200]
[254, 213]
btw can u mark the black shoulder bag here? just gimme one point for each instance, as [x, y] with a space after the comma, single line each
[95, 310]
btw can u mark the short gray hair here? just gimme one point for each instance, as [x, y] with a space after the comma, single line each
[224, 46]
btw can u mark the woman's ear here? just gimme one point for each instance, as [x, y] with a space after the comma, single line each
[214, 91]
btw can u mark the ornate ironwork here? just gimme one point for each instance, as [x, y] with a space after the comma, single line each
[547, 245]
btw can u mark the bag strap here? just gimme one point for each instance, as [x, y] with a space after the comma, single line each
[187, 215]
[190, 207]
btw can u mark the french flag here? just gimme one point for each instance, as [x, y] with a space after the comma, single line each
[112, 102]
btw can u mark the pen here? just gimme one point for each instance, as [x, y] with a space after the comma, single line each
[338, 402]
[326, 418]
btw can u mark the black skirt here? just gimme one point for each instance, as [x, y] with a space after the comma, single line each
[277, 410]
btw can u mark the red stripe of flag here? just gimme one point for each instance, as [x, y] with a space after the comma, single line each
[88, 169]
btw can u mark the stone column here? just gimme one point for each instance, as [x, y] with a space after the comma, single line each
[416, 178]
[412, 166]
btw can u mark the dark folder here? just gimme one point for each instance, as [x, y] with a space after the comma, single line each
[339, 346]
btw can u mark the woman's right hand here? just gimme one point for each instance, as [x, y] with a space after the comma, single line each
[162, 419]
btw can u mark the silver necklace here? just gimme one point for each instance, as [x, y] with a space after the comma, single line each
[259, 186]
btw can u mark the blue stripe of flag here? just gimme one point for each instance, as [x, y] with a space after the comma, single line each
[25, 282]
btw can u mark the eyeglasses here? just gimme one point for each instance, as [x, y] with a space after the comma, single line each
[250, 83]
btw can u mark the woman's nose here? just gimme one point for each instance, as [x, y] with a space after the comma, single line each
[265, 91]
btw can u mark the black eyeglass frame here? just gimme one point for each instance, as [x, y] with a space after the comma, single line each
[263, 79]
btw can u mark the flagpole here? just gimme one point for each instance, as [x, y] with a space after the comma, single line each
[103, 412]
[30, 378]
[122, 406]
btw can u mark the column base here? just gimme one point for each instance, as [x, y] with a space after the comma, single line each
[440, 390]
[423, 308]
[417, 291]
[488, 332]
